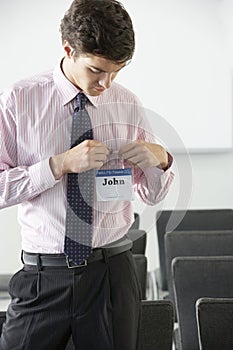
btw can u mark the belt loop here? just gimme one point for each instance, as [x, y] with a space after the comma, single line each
[38, 261]
[105, 255]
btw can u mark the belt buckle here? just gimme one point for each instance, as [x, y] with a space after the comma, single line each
[68, 263]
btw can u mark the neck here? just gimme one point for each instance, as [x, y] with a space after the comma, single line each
[65, 67]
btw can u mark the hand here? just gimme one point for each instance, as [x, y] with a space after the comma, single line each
[144, 154]
[89, 154]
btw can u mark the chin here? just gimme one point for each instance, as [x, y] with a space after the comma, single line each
[94, 92]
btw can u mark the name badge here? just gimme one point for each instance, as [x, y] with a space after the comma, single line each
[114, 185]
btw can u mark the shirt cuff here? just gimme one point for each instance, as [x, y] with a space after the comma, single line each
[41, 176]
[170, 161]
[157, 171]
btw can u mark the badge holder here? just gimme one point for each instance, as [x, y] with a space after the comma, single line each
[114, 184]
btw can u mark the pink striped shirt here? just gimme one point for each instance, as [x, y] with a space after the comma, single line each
[35, 124]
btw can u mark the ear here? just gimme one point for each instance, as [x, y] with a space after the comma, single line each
[67, 49]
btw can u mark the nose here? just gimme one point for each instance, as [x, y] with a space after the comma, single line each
[106, 80]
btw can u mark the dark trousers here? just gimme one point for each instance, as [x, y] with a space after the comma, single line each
[98, 304]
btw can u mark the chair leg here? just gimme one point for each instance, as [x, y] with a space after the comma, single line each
[152, 286]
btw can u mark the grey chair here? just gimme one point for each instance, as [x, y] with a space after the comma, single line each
[4, 282]
[195, 243]
[194, 278]
[139, 239]
[215, 323]
[136, 223]
[180, 220]
[156, 326]
[2, 320]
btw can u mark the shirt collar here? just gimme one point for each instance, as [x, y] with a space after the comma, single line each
[66, 89]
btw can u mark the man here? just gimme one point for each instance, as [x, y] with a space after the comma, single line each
[53, 296]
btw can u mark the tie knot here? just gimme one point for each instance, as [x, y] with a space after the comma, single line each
[81, 100]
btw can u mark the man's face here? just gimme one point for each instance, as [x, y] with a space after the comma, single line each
[92, 74]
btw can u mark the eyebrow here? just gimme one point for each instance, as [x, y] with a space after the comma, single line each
[103, 71]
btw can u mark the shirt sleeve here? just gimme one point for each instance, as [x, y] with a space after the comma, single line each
[18, 183]
[151, 184]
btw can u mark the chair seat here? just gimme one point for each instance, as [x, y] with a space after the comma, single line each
[215, 323]
[156, 326]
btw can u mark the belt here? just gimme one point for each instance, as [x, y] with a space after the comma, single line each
[59, 260]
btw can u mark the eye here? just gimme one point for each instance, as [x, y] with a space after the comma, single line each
[95, 71]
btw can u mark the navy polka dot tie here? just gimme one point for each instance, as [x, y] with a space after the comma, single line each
[80, 193]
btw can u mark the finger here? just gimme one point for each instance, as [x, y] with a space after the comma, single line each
[136, 159]
[97, 164]
[101, 150]
[126, 148]
[135, 150]
[130, 150]
[100, 157]
[95, 143]
[142, 164]
[130, 154]
[101, 147]
[98, 150]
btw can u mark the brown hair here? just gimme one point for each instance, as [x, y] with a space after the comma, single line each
[99, 27]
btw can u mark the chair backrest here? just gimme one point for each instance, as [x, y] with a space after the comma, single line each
[4, 282]
[195, 243]
[215, 323]
[136, 223]
[138, 238]
[2, 319]
[196, 220]
[193, 278]
[156, 326]
[141, 269]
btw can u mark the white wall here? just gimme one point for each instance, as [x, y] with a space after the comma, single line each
[181, 68]
[30, 42]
